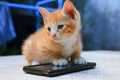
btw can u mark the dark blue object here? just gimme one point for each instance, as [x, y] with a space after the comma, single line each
[7, 32]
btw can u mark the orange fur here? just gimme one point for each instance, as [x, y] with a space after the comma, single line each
[41, 47]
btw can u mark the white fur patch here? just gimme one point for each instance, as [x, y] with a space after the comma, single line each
[60, 62]
[53, 30]
[68, 43]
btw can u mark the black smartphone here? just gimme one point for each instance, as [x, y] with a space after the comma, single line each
[50, 70]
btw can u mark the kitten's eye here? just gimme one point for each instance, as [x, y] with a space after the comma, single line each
[60, 26]
[49, 29]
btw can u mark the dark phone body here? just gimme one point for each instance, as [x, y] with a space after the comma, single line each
[51, 70]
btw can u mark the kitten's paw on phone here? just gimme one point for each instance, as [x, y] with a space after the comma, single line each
[61, 62]
[35, 63]
[80, 61]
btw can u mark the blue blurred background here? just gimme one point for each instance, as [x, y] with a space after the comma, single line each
[20, 18]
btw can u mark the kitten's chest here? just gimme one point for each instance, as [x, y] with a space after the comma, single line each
[68, 46]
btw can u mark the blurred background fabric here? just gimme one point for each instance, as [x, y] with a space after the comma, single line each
[99, 20]
[101, 25]
[7, 32]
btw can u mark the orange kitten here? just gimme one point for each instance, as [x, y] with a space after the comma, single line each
[59, 41]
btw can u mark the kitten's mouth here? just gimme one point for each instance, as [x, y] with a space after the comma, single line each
[54, 38]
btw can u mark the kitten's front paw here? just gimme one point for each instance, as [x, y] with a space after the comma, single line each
[61, 62]
[80, 61]
[35, 63]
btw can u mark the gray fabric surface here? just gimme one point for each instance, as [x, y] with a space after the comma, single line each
[108, 68]
[101, 25]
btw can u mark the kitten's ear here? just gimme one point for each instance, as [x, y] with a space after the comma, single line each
[69, 8]
[45, 13]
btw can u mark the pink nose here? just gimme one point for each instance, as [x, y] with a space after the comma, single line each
[53, 36]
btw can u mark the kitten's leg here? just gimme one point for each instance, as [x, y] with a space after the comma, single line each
[59, 60]
[77, 59]
[29, 58]
[29, 61]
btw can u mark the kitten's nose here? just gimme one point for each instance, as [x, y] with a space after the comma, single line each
[53, 36]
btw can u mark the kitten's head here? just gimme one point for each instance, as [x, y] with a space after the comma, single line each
[62, 23]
